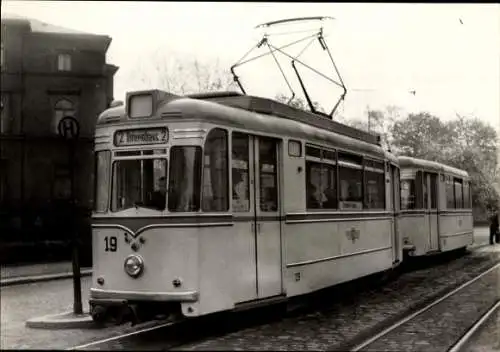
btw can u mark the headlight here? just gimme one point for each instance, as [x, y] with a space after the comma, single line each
[134, 265]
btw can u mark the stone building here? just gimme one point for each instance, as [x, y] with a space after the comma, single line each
[47, 73]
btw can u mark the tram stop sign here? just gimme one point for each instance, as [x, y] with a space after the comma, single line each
[68, 128]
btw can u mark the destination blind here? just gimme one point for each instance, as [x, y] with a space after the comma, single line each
[141, 136]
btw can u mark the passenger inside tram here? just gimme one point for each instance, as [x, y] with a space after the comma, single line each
[158, 197]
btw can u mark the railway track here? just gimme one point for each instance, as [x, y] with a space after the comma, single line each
[465, 339]
[239, 328]
[427, 324]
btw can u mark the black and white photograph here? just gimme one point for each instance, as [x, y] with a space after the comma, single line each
[260, 176]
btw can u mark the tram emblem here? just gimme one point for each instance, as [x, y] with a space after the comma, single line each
[353, 234]
[135, 243]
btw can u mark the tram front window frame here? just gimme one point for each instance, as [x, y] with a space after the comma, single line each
[139, 182]
[184, 185]
[101, 187]
[197, 177]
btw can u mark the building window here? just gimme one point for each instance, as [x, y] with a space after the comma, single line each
[64, 62]
[2, 54]
[61, 187]
[62, 109]
[5, 114]
[3, 179]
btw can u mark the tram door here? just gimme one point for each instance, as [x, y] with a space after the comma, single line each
[432, 180]
[395, 182]
[260, 228]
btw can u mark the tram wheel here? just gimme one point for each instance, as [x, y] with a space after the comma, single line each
[99, 314]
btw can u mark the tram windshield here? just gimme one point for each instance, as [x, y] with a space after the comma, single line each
[143, 182]
[139, 183]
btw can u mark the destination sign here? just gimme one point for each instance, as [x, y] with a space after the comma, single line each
[141, 136]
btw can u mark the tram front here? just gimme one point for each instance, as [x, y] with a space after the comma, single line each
[144, 224]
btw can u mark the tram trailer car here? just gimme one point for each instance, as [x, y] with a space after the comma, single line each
[263, 202]
[436, 207]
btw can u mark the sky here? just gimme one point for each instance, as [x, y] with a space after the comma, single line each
[449, 54]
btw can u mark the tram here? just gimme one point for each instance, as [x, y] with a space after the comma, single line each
[214, 202]
[436, 207]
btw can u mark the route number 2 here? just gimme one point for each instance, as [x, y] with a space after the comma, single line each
[110, 244]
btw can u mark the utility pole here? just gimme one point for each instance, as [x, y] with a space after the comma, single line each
[69, 129]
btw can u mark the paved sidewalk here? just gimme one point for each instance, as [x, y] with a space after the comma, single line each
[20, 274]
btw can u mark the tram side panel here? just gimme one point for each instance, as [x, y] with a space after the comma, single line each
[322, 254]
[398, 239]
[456, 230]
[325, 247]
[413, 223]
[414, 232]
[455, 216]
[226, 269]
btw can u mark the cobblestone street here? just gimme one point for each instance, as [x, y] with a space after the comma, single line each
[439, 327]
[487, 339]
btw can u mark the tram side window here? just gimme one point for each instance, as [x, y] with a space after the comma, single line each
[240, 172]
[450, 196]
[467, 203]
[459, 201]
[425, 191]
[434, 191]
[408, 194]
[185, 179]
[351, 181]
[321, 180]
[215, 172]
[419, 190]
[268, 175]
[320, 191]
[140, 182]
[375, 184]
[102, 168]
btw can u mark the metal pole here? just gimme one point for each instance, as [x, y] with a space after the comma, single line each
[77, 290]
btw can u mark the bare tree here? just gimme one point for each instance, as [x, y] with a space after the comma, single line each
[183, 77]
[298, 103]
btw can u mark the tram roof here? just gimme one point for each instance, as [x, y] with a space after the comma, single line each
[409, 162]
[273, 107]
[254, 113]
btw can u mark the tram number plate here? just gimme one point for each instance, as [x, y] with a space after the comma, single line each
[110, 244]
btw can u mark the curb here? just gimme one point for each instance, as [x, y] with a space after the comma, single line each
[67, 320]
[473, 248]
[40, 278]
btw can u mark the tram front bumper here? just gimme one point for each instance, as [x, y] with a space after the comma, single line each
[112, 297]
